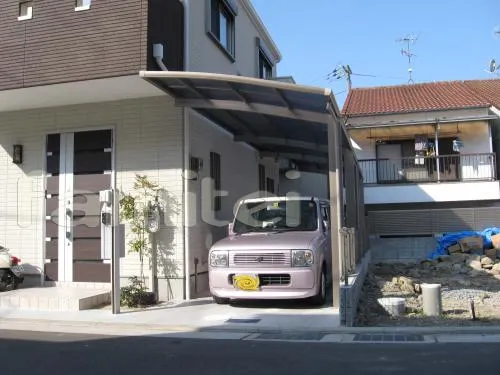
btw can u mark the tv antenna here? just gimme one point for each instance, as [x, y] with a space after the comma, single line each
[408, 40]
[493, 67]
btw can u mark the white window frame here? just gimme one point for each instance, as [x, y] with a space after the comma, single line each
[230, 11]
[82, 5]
[29, 10]
[262, 53]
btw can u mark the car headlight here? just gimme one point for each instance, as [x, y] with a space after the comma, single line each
[302, 258]
[219, 258]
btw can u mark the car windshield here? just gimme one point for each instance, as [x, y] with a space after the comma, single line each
[273, 216]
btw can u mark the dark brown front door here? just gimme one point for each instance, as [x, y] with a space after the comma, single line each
[78, 166]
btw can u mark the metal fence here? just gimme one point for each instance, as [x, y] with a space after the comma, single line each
[352, 251]
[463, 167]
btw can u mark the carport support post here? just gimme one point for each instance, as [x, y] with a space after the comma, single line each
[336, 203]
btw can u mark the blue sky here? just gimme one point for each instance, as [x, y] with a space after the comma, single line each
[456, 39]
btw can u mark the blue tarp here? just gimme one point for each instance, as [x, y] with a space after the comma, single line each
[452, 238]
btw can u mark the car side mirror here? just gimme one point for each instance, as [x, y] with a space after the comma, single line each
[230, 229]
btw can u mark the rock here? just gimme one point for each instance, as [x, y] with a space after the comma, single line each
[487, 266]
[454, 249]
[491, 253]
[459, 258]
[475, 264]
[495, 239]
[406, 284]
[418, 288]
[487, 261]
[495, 270]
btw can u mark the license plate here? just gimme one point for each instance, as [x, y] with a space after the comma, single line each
[246, 282]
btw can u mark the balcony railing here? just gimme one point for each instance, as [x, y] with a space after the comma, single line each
[443, 168]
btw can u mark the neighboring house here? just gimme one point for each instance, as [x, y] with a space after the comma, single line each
[428, 156]
[71, 96]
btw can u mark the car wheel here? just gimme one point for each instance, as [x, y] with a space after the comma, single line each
[221, 301]
[320, 298]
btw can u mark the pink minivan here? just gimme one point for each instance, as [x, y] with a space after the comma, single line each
[277, 248]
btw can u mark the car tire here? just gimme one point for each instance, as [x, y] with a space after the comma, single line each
[320, 298]
[221, 301]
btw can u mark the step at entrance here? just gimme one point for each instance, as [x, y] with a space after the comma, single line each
[55, 298]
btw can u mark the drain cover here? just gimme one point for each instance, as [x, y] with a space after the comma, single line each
[291, 336]
[375, 337]
[242, 320]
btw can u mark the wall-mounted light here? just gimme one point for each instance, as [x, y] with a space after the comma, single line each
[17, 154]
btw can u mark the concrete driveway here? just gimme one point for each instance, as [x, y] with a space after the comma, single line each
[202, 313]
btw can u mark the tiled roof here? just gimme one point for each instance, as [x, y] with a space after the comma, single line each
[421, 97]
[489, 89]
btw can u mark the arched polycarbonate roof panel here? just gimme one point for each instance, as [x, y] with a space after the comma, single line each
[277, 118]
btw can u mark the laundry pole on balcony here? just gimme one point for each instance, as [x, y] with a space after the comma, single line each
[436, 142]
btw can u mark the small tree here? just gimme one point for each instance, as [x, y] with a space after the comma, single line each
[134, 210]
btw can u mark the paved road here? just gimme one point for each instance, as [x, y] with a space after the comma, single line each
[52, 353]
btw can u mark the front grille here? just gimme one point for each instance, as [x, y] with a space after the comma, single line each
[274, 279]
[268, 279]
[256, 259]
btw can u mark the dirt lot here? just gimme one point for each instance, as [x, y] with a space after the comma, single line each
[462, 277]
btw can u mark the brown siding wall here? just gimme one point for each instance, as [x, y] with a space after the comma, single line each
[166, 25]
[61, 45]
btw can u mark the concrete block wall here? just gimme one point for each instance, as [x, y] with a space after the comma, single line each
[410, 249]
[349, 294]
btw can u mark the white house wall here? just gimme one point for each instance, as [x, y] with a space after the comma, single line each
[148, 139]
[239, 178]
[206, 56]
[432, 192]
[308, 184]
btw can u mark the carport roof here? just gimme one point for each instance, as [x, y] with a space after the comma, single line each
[279, 119]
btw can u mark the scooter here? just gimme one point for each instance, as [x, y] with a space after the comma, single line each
[11, 271]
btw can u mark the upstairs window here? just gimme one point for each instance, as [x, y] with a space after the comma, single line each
[265, 66]
[82, 5]
[264, 61]
[222, 24]
[25, 10]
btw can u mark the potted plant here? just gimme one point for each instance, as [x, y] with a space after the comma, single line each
[134, 209]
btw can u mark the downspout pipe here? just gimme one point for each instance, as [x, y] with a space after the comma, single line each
[158, 55]
[185, 181]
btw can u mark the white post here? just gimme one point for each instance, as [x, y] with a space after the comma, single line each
[116, 255]
[336, 204]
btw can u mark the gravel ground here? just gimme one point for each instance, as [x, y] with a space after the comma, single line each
[461, 278]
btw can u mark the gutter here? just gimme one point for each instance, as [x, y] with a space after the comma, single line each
[185, 161]
[422, 122]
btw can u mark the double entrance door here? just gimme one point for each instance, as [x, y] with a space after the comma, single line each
[78, 166]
